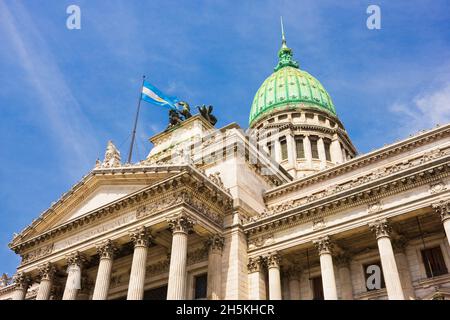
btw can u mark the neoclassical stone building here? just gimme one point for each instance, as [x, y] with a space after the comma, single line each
[283, 210]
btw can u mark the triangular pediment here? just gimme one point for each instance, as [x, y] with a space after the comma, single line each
[95, 190]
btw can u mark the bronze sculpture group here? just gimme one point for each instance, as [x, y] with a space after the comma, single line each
[178, 116]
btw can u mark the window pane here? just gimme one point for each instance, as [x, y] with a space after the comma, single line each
[434, 262]
[200, 283]
[314, 150]
[299, 148]
[284, 152]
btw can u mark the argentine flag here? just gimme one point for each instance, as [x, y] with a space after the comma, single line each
[152, 95]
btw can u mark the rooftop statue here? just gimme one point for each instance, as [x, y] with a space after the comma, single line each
[112, 157]
[206, 112]
[186, 111]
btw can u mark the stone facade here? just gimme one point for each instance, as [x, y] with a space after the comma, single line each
[284, 210]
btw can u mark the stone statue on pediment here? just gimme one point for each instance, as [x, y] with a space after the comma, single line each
[112, 156]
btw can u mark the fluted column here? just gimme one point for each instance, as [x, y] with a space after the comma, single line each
[321, 150]
[324, 246]
[256, 279]
[46, 273]
[73, 284]
[215, 247]
[106, 252]
[345, 279]
[336, 152]
[392, 280]
[399, 246]
[180, 226]
[442, 208]
[308, 152]
[273, 266]
[141, 238]
[293, 274]
[21, 284]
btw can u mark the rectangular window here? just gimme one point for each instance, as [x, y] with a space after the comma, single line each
[314, 149]
[299, 147]
[283, 147]
[434, 262]
[282, 117]
[200, 285]
[317, 288]
[327, 145]
[373, 274]
[270, 148]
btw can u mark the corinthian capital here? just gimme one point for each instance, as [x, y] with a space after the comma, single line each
[273, 260]
[106, 249]
[215, 243]
[46, 271]
[381, 228]
[180, 223]
[21, 280]
[141, 237]
[76, 258]
[324, 245]
[442, 208]
[255, 264]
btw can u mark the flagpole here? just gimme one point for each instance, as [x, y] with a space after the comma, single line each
[133, 134]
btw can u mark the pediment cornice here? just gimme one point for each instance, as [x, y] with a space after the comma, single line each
[188, 177]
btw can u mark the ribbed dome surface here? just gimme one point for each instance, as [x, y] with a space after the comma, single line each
[287, 87]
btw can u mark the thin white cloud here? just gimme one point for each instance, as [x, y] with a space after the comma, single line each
[425, 110]
[61, 113]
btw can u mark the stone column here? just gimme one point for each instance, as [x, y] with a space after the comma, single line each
[293, 274]
[106, 252]
[257, 281]
[391, 277]
[399, 246]
[321, 150]
[46, 273]
[336, 152]
[308, 154]
[324, 247]
[345, 278]
[215, 248]
[273, 266]
[180, 226]
[291, 150]
[442, 208]
[141, 239]
[73, 284]
[21, 283]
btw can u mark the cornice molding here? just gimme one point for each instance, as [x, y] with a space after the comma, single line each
[202, 195]
[362, 160]
[364, 194]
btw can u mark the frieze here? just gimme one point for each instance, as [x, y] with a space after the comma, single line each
[36, 254]
[95, 231]
[261, 241]
[348, 185]
[268, 221]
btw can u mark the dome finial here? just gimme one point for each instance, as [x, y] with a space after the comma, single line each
[283, 38]
[285, 53]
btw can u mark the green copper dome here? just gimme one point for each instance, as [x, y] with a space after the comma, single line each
[287, 87]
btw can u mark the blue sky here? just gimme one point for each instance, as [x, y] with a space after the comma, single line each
[65, 93]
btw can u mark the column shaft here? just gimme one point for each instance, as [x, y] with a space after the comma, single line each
[103, 279]
[346, 282]
[328, 278]
[137, 275]
[45, 288]
[294, 288]
[274, 283]
[177, 272]
[390, 271]
[73, 282]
